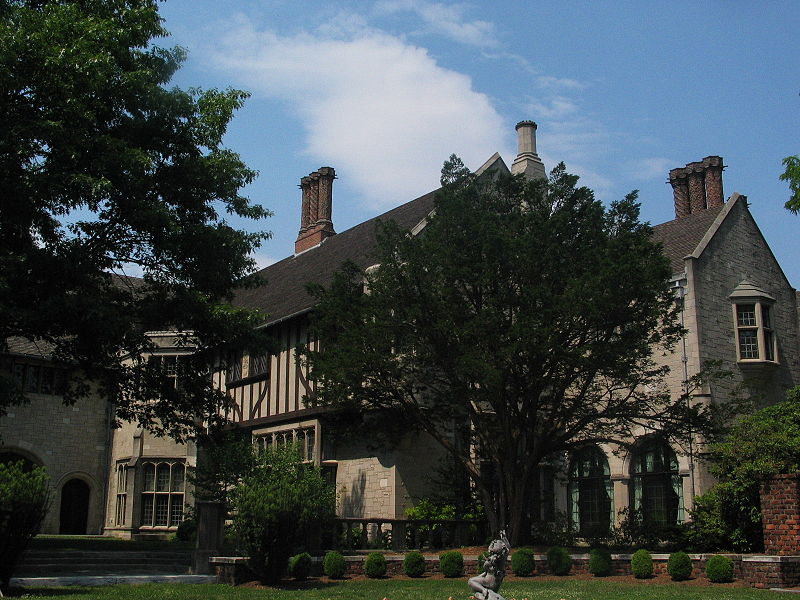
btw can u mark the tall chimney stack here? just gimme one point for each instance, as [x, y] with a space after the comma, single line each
[316, 209]
[527, 162]
[697, 186]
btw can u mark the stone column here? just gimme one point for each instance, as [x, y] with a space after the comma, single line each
[210, 534]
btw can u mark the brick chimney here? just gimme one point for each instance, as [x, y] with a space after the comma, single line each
[697, 186]
[316, 209]
[527, 162]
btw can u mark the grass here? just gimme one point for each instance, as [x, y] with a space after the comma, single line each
[424, 589]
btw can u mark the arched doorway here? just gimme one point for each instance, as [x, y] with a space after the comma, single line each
[74, 507]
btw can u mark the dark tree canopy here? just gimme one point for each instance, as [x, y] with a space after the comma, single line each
[524, 312]
[104, 167]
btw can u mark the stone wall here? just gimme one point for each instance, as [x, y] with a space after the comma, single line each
[70, 442]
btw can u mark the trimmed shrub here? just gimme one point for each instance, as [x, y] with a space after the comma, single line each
[414, 564]
[333, 565]
[719, 569]
[600, 562]
[451, 563]
[375, 565]
[300, 565]
[679, 566]
[642, 564]
[559, 561]
[522, 562]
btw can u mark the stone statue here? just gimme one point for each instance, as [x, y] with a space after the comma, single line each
[486, 584]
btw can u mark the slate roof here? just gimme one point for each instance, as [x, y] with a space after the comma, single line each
[680, 237]
[284, 293]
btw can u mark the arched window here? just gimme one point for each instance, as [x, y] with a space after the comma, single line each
[657, 485]
[591, 492]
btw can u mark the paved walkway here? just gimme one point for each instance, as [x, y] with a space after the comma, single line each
[92, 580]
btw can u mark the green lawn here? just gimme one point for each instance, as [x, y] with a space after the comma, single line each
[424, 589]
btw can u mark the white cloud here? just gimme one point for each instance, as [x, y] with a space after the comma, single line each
[263, 260]
[444, 19]
[651, 168]
[381, 111]
[548, 81]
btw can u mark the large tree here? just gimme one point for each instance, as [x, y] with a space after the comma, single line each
[525, 314]
[105, 169]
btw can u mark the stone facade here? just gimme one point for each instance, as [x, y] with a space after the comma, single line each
[72, 444]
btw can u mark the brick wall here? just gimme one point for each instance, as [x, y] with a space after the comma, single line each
[780, 514]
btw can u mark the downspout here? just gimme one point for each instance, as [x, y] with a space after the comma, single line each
[680, 287]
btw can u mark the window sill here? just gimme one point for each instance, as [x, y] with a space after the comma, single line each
[757, 364]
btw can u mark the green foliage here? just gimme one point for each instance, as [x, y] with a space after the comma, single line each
[333, 565]
[632, 531]
[760, 444]
[24, 501]
[792, 175]
[375, 565]
[522, 562]
[679, 566]
[510, 277]
[187, 530]
[600, 562]
[719, 569]
[451, 563]
[559, 561]
[414, 564]
[225, 458]
[106, 166]
[559, 531]
[300, 565]
[278, 507]
[642, 564]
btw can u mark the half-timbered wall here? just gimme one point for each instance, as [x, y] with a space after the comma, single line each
[278, 391]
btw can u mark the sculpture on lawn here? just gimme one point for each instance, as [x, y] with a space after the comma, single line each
[486, 584]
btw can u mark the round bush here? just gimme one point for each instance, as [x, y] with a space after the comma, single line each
[333, 565]
[451, 563]
[679, 566]
[522, 562]
[600, 562]
[187, 530]
[414, 564]
[719, 569]
[300, 565]
[375, 565]
[559, 561]
[642, 564]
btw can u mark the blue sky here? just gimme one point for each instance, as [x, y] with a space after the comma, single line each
[385, 90]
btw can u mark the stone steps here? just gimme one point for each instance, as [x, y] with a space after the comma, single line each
[48, 563]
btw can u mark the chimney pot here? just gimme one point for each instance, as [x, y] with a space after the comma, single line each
[527, 162]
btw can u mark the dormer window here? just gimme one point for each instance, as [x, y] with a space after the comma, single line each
[752, 313]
